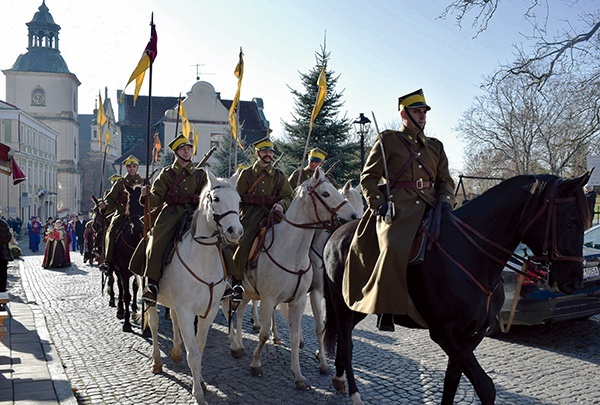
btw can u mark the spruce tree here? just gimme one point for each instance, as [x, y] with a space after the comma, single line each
[331, 133]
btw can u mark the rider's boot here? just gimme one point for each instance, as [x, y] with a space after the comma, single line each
[235, 292]
[150, 293]
[385, 322]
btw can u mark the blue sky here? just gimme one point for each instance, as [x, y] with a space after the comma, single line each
[381, 50]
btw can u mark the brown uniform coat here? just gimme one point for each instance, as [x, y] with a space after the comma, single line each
[375, 276]
[187, 183]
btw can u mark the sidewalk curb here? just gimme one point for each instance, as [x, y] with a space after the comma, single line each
[64, 393]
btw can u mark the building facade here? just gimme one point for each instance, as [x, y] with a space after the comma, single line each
[35, 144]
[41, 84]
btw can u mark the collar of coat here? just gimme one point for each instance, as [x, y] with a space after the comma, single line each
[410, 135]
[257, 168]
[178, 169]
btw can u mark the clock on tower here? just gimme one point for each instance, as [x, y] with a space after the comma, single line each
[38, 97]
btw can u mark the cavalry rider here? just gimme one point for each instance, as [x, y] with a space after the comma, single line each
[262, 188]
[316, 157]
[177, 189]
[116, 205]
[419, 179]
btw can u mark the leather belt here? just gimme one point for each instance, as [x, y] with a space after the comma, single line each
[419, 184]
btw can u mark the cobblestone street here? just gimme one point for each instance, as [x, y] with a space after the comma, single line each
[554, 364]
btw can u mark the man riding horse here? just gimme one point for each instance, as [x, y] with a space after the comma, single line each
[262, 188]
[176, 190]
[316, 157]
[116, 204]
[416, 169]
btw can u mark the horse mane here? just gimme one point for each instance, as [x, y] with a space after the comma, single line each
[221, 183]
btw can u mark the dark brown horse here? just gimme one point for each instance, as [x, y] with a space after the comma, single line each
[457, 289]
[127, 236]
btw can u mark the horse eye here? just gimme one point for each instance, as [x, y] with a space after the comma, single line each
[216, 199]
[326, 194]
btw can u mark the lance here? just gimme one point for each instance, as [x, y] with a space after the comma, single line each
[389, 215]
[332, 167]
[205, 158]
[278, 159]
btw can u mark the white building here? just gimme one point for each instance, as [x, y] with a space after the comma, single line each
[36, 145]
[41, 84]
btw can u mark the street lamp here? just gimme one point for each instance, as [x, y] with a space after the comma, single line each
[361, 125]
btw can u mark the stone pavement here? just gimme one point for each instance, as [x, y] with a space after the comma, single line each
[91, 360]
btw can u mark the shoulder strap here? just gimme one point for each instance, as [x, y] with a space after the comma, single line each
[253, 185]
[414, 155]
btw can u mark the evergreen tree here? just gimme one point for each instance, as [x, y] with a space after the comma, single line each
[330, 132]
[223, 162]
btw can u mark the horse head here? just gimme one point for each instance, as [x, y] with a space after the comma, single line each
[134, 207]
[553, 227]
[354, 197]
[220, 207]
[328, 205]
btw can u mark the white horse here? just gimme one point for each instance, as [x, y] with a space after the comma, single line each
[354, 197]
[193, 283]
[284, 272]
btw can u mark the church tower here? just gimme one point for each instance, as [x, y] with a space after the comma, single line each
[41, 84]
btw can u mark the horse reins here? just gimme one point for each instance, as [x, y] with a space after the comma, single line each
[218, 242]
[535, 273]
[320, 224]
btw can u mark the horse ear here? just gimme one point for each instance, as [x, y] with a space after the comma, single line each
[579, 183]
[347, 187]
[211, 177]
[317, 176]
[94, 199]
[358, 189]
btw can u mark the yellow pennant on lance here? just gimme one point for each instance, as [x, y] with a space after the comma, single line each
[185, 123]
[196, 138]
[140, 70]
[157, 147]
[239, 73]
[321, 94]
[100, 120]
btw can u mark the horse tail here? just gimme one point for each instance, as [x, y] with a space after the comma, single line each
[331, 331]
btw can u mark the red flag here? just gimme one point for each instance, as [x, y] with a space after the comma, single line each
[17, 173]
[140, 71]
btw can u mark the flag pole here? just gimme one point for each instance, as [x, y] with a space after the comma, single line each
[147, 180]
[177, 115]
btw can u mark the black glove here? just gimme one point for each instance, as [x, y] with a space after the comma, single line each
[446, 206]
[382, 209]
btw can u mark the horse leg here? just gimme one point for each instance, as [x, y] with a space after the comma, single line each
[194, 357]
[316, 303]
[460, 353]
[255, 320]
[295, 311]
[203, 326]
[135, 287]
[126, 302]
[267, 306]
[176, 353]
[276, 338]
[120, 297]
[236, 343]
[153, 323]
[110, 288]
[451, 381]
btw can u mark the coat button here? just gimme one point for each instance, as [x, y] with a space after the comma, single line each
[417, 202]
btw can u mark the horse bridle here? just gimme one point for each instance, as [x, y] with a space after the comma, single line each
[534, 272]
[320, 224]
[218, 243]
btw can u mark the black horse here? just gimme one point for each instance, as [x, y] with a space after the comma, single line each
[457, 289]
[128, 235]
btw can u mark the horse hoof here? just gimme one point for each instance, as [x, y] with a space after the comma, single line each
[157, 368]
[302, 385]
[176, 358]
[237, 354]
[111, 303]
[256, 371]
[120, 315]
[339, 384]
[302, 344]
[324, 370]
[276, 341]
[127, 328]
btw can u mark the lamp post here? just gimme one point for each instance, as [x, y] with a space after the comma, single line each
[361, 125]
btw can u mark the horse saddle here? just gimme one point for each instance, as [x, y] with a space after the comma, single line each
[257, 246]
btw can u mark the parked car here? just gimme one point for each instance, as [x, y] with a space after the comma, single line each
[541, 304]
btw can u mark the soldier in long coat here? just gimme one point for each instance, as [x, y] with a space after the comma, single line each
[375, 277]
[261, 187]
[177, 189]
[116, 205]
[316, 157]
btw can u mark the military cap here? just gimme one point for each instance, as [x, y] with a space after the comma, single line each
[115, 177]
[317, 155]
[131, 160]
[264, 144]
[179, 141]
[413, 100]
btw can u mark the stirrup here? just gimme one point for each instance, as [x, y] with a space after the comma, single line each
[235, 293]
[150, 295]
